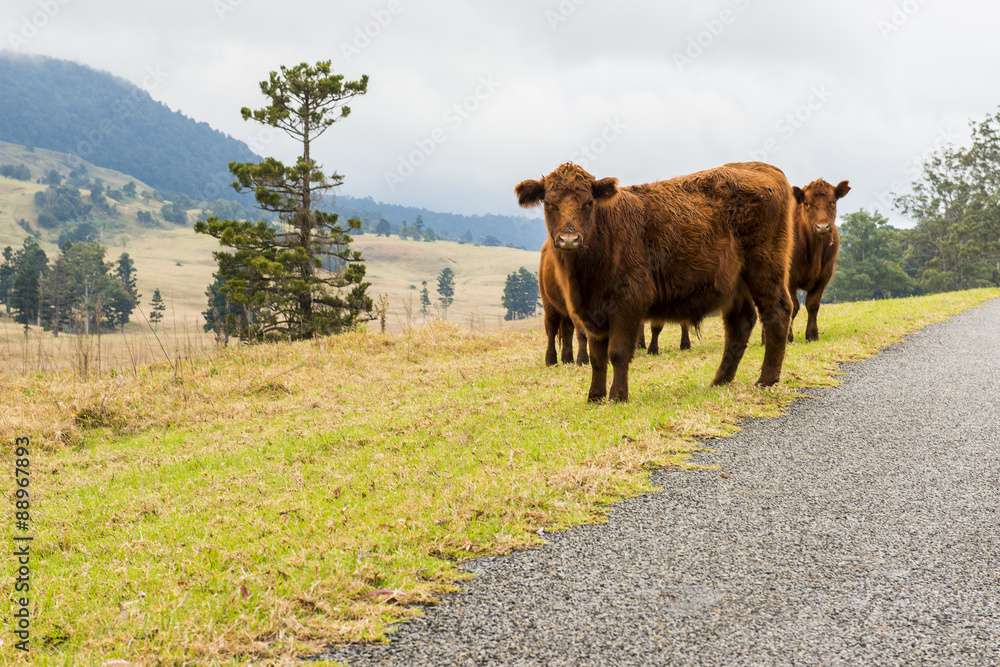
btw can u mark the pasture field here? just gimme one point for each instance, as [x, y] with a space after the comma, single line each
[251, 505]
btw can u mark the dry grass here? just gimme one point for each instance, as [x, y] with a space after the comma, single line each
[258, 503]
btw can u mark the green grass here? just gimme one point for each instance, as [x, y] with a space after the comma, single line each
[259, 503]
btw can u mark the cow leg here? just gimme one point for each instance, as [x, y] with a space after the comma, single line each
[794, 294]
[640, 341]
[598, 369]
[566, 334]
[552, 319]
[812, 307]
[620, 351]
[685, 337]
[738, 320]
[654, 338]
[582, 359]
[775, 307]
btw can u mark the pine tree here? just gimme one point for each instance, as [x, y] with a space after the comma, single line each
[520, 294]
[446, 289]
[425, 300]
[122, 305]
[157, 308]
[275, 272]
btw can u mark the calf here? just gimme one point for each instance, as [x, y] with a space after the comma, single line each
[670, 251]
[816, 246]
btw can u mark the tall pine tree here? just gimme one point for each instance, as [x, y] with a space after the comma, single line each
[276, 273]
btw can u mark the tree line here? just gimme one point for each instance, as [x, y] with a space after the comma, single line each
[955, 242]
[77, 292]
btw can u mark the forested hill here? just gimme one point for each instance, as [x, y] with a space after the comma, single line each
[72, 108]
[521, 232]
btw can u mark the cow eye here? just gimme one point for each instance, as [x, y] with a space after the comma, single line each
[589, 205]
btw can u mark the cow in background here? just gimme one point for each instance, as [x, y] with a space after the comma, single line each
[816, 246]
[654, 337]
[674, 251]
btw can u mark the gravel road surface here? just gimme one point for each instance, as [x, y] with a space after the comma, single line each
[861, 528]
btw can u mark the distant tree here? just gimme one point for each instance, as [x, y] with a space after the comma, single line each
[430, 235]
[955, 202]
[467, 237]
[446, 289]
[7, 271]
[122, 304]
[869, 263]
[129, 190]
[418, 225]
[520, 294]
[64, 203]
[116, 304]
[174, 213]
[383, 228]
[144, 218]
[19, 172]
[89, 275]
[274, 271]
[221, 317]
[85, 232]
[492, 241]
[58, 296]
[157, 308]
[30, 268]
[53, 177]
[425, 300]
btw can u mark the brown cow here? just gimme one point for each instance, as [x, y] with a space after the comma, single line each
[670, 251]
[557, 319]
[816, 246]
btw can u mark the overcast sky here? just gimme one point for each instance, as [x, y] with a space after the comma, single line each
[467, 98]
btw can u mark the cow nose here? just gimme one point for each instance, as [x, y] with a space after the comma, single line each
[568, 241]
[823, 228]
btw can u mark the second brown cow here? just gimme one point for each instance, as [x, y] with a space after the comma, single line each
[816, 246]
[670, 251]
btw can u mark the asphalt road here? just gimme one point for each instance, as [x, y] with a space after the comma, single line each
[861, 528]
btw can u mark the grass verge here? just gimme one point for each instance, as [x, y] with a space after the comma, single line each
[261, 503]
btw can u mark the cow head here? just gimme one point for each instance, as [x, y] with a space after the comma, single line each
[818, 204]
[571, 197]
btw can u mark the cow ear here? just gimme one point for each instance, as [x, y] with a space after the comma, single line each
[800, 195]
[605, 191]
[530, 193]
[842, 189]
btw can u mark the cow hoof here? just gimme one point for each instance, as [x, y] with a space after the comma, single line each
[595, 398]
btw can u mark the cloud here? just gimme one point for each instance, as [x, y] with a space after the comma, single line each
[855, 91]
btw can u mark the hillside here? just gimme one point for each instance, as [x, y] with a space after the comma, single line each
[71, 108]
